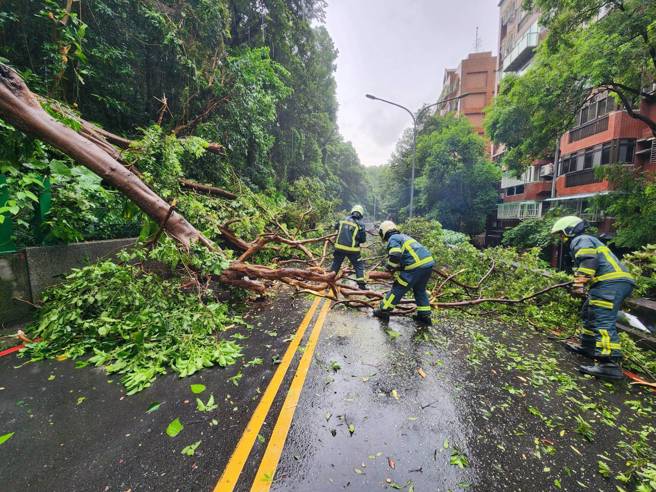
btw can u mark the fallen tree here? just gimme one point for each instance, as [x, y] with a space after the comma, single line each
[94, 148]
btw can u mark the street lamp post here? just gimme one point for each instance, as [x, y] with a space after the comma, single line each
[414, 136]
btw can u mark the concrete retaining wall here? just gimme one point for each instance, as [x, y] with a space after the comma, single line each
[26, 274]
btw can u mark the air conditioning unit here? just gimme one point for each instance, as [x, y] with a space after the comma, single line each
[547, 170]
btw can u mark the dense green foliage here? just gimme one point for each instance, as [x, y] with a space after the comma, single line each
[132, 322]
[530, 233]
[643, 266]
[455, 181]
[254, 77]
[633, 206]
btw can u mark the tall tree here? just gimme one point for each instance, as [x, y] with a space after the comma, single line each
[455, 181]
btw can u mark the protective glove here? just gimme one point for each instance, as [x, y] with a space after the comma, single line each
[578, 289]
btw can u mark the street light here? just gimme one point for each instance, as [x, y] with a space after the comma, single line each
[414, 135]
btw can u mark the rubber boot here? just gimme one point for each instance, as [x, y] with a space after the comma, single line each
[384, 315]
[611, 371]
[362, 286]
[423, 319]
[577, 348]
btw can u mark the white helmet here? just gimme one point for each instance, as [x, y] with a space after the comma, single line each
[358, 209]
[385, 227]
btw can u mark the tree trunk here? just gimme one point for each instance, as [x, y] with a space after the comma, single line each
[20, 107]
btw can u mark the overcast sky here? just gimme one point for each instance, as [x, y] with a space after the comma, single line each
[398, 50]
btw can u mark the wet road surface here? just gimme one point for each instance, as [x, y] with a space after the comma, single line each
[74, 429]
[471, 404]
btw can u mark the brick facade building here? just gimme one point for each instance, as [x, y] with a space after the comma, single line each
[603, 134]
[476, 77]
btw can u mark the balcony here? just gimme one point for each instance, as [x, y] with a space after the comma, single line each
[508, 180]
[519, 210]
[589, 129]
[522, 52]
[579, 178]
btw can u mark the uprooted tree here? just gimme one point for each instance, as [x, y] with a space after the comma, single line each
[93, 147]
[119, 311]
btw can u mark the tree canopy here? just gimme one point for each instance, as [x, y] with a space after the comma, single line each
[455, 180]
[255, 78]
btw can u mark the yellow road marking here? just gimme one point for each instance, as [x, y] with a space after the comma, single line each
[269, 463]
[239, 456]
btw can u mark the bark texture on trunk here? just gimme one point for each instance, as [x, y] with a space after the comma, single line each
[21, 108]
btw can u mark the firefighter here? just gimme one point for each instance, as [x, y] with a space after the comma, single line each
[350, 235]
[608, 283]
[412, 265]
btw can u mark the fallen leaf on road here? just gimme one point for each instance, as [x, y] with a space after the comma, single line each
[197, 388]
[328, 415]
[174, 428]
[395, 394]
[6, 437]
[191, 449]
[391, 463]
[393, 334]
[421, 372]
[351, 429]
[358, 471]
[153, 406]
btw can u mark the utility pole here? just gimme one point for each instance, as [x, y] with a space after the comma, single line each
[414, 137]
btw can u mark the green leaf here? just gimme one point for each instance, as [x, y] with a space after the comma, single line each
[459, 459]
[191, 449]
[5, 437]
[174, 428]
[59, 167]
[206, 407]
[392, 334]
[197, 388]
[153, 407]
[604, 469]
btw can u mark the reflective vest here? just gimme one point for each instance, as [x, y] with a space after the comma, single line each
[594, 259]
[407, 254]
[350, 234]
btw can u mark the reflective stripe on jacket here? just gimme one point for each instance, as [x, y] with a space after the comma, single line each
[593, 258]
[405, 253]
[350, 234]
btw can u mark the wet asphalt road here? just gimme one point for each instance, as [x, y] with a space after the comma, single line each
[75, 430]
[471, 404]
[504, 399]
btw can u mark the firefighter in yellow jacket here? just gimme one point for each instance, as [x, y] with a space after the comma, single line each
[608, 283]
[350, 235]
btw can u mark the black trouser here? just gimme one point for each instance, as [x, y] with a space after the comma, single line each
[355, 260]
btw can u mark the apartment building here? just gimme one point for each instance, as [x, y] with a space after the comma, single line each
[521, 197]
[519, 35]
[604, 134]
[475, 77]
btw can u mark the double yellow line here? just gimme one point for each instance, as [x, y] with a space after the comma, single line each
[269, 463]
